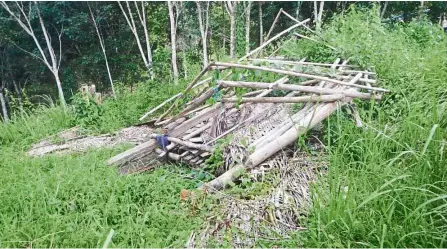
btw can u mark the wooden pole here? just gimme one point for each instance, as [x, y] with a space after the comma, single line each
[309, 89]
[296, 74]
[302, 99]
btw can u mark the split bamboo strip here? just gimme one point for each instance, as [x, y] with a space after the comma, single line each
[296, 74]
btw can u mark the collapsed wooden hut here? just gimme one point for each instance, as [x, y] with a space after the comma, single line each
[245, 113]
[256, 123]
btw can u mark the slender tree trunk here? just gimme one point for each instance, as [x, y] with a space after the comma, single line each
[185, 63]
[247, 28]
[131, 22]
[203, 24]
[173, 41]
[4, 109]
[318, 14]
[261, 27]
[231, 9]
[385, 5]
[18, 92]
[298, 9]
[224, 32]
[101, 42]
[51, 63]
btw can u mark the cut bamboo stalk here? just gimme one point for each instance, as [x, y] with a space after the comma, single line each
[299, 62]
[371, 81]
[291, 17]
[173, 156]
[172, 98]
[283, 127]
[296, 74]
[196, 140]
[261, 154]
[273, 25]
[302, 99]
[310, 89]
[186, 143]
[133, 154]
[272, 39]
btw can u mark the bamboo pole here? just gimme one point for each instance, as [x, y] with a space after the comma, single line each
[310, 89]
[302, 99]
[172, 98]
[299, 62]
[296, 74]
[273, 24]
[273, 38]
[261, 154]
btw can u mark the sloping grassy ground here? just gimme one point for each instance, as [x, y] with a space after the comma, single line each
[387, 183]
[75, 200]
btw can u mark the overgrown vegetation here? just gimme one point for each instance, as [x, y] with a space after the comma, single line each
[386, 185]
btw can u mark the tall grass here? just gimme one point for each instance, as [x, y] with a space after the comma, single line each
[75, 200]
[387, 182]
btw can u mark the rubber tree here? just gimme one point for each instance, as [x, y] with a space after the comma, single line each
[128, 15]
[230, 6]
[101, 42]
[203, 16]
[173, 17]
[46, 53]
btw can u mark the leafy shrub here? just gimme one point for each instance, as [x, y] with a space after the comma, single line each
[87, 111]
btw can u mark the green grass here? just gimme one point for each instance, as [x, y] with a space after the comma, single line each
[75, 200]
[387, 183]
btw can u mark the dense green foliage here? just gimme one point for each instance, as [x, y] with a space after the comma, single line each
[387, 182]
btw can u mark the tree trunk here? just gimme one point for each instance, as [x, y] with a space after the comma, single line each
[173, 41]
[4, 109]
[232, 13]
[223, 31]
[18, 92]
[185, 66]
[298, 8]
[247, 28]
[320, 16]
[101, 42]
[382, 13]
[261, 28]
[203, 24]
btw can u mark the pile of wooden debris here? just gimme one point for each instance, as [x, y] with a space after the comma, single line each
[256, 124]
[241, 117]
